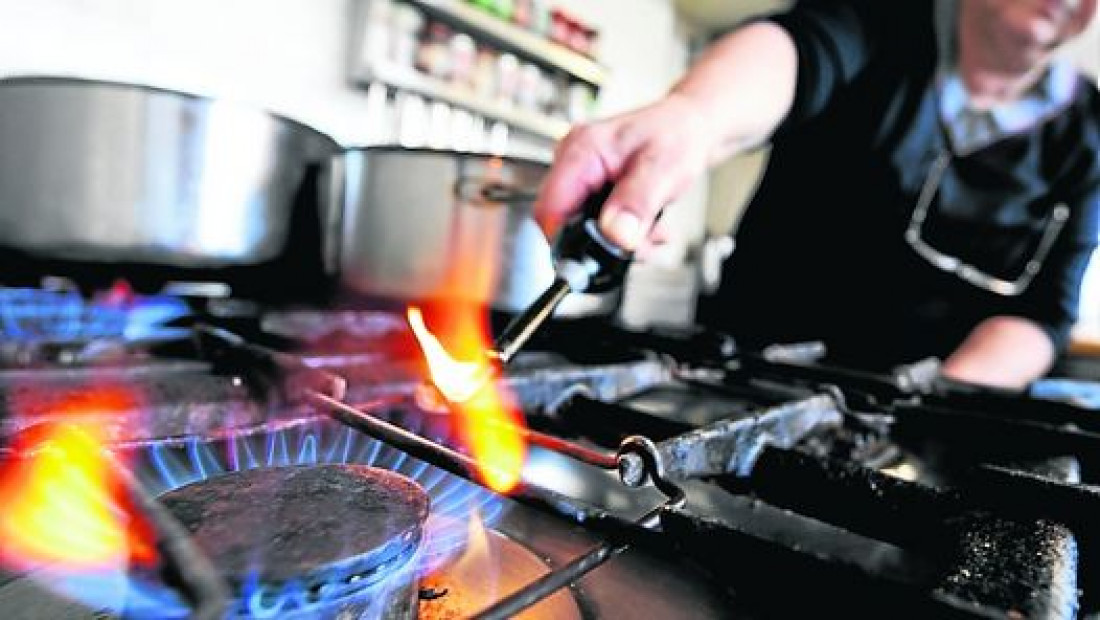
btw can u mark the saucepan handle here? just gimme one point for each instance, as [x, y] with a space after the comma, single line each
[489, 192]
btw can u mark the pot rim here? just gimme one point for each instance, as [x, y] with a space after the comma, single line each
[424, 150]
[63, 80]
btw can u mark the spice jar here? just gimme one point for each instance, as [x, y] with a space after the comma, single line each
[463, 53]
[485, 73]
[434, 57]
[406, 23]
[376, 32]
[507, 77]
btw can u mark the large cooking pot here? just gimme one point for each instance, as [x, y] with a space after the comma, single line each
[113, 172]
[423, 224]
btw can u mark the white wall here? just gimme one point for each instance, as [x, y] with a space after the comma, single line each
[285, 55]
[288, 56]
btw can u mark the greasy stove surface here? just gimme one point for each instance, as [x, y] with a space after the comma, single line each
[682, 478]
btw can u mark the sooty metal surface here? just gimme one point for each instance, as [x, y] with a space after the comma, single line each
[1028, 569]
[300, 522]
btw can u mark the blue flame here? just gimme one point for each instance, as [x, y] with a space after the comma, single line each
[170, 465]
[29, 314]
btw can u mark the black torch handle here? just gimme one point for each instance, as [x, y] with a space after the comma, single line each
[582, 242]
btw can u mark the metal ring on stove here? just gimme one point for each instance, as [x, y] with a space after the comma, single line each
[640, 460]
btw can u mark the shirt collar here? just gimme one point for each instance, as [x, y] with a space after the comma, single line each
[1054, 91]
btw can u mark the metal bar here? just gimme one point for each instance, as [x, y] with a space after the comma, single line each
[970, 431]
[300, 376]
[200, 582]
[457, 463]
[551, 582]
[851, 496]
[424, 449]
[732, 446]
[1027, 494]
[573, 450]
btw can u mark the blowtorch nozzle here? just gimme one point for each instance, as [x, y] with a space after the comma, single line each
[586, 262]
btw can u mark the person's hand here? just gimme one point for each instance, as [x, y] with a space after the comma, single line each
[652, 155]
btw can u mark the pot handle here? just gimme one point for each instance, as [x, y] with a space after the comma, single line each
[485, 192]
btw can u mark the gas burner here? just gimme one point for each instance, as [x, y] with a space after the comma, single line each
[315, 325]
[309, 482]
[63, 327]
[328, 539]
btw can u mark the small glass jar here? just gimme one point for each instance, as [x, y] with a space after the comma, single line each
[507, 77]
[406, 24]
[434, 57]
[463, 54]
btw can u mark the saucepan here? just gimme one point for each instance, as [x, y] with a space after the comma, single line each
[113, 172]
[433, 224]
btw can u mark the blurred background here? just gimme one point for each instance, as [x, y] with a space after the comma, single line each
[501, 76]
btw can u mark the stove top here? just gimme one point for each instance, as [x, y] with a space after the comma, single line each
[229, 460]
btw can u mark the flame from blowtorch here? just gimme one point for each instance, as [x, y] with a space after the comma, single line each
[65, 505]
[490, 423]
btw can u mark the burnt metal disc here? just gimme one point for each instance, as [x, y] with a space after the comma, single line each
[308, 522]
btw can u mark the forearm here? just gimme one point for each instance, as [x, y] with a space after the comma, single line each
[1007, 352]
[744, 85]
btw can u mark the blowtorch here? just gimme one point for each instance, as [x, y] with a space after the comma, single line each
[586, 262]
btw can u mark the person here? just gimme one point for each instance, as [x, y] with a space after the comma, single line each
[932, 189]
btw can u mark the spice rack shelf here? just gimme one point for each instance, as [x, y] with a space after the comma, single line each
[514, 38]
[407, 79]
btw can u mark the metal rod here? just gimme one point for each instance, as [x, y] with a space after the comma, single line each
[549, 583]
[521, 328]
[300, 376]
[588, 456]
[573, 450]
[201, 583]
[424, 449]
[464, 466]
[553, 581]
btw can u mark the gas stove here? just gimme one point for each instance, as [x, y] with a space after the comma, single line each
[172, 456]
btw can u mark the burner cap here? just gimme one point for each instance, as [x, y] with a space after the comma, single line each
[315, 523]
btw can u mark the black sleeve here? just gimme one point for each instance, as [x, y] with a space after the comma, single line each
[835, 41]
[1054, 298]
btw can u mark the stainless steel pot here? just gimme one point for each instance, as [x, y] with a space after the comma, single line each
[113, 172]
[430, 224]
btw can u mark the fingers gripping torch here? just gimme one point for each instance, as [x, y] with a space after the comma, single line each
[586, 262]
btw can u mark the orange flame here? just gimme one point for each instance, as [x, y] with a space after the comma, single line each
[65, 504]
[490, 423]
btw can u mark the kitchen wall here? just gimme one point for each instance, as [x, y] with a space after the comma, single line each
[286, 55]
[289, 57]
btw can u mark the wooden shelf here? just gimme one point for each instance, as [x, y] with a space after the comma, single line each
[515, 39]
[413, 81]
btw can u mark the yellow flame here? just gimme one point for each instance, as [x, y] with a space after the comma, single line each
[489, 422]
[458, 381]
[63, 504]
